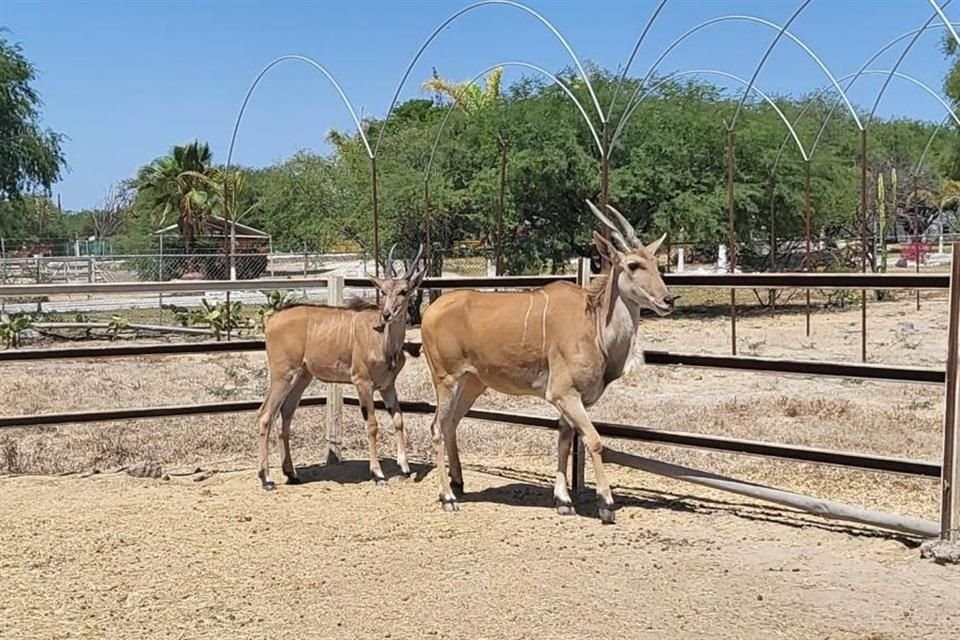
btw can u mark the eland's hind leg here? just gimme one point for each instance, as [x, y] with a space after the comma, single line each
[287, 410]
[448, 390]
[392, 403]
[280, 386]
[471, 389]
[561, 495]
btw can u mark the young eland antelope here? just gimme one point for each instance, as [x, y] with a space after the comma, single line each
[561, 342]
[360, 343]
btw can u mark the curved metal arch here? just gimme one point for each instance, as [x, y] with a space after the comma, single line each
[319, 67]
[734, 18]
[951, 113]
[939, 10]
[922, 85]
[511, 63]
[677, 74]
[825, 89]
[443, 25]
[915, 32]
[926, 149]
[736, 114]
[236, 128]
[633, 54]
[896, 65]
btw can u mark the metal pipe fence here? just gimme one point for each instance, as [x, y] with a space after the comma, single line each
[629, 432]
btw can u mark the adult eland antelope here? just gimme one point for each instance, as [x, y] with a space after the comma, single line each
[561, 342]
[361, 343]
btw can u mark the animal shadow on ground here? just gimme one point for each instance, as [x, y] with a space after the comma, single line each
[534, 490]
[356, 471]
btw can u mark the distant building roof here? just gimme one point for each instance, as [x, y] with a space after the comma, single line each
[216, 227]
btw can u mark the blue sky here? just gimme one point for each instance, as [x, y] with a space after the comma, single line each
[126, 80]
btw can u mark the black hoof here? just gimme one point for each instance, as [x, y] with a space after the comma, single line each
[450, 504]
[406, 475]
[607, 514]
[380, 481]
[292, 479]
[457, 488]
[565, 508]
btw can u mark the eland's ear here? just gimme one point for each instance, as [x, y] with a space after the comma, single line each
[653, 246]
[607, 251]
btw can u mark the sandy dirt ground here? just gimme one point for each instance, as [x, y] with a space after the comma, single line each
[116, 557]
[111, 556]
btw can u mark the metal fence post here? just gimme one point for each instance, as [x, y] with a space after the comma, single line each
[950, 481]
[583, 279]
[160, 279]
[334, 391]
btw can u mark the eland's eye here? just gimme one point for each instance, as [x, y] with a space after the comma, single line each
[633, 266]
[403, 292]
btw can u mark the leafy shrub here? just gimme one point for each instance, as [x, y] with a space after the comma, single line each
[12, 326]
[277, 299]
[218, 317]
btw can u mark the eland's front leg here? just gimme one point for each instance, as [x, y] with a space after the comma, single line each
[365, 392]
[392, 403]
[571, 406]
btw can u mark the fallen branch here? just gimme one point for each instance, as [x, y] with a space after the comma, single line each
[155, 328]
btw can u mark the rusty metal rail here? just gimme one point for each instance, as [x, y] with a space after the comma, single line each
[797, 367]
[708, 280]
[634, 433]
[660, 358]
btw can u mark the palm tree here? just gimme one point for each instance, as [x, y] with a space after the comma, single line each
[185, 185]
[467, 96]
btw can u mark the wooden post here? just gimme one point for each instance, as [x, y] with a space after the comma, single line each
[334, 392]
[270, 256]
[579, 454]
[3, 271]
[950, 482]
[227, 316]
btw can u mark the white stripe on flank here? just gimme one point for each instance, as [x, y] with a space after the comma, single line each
[543, 329]
[523, 338]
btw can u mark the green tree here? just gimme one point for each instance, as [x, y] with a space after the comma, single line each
[951, 86]
[31, 157]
